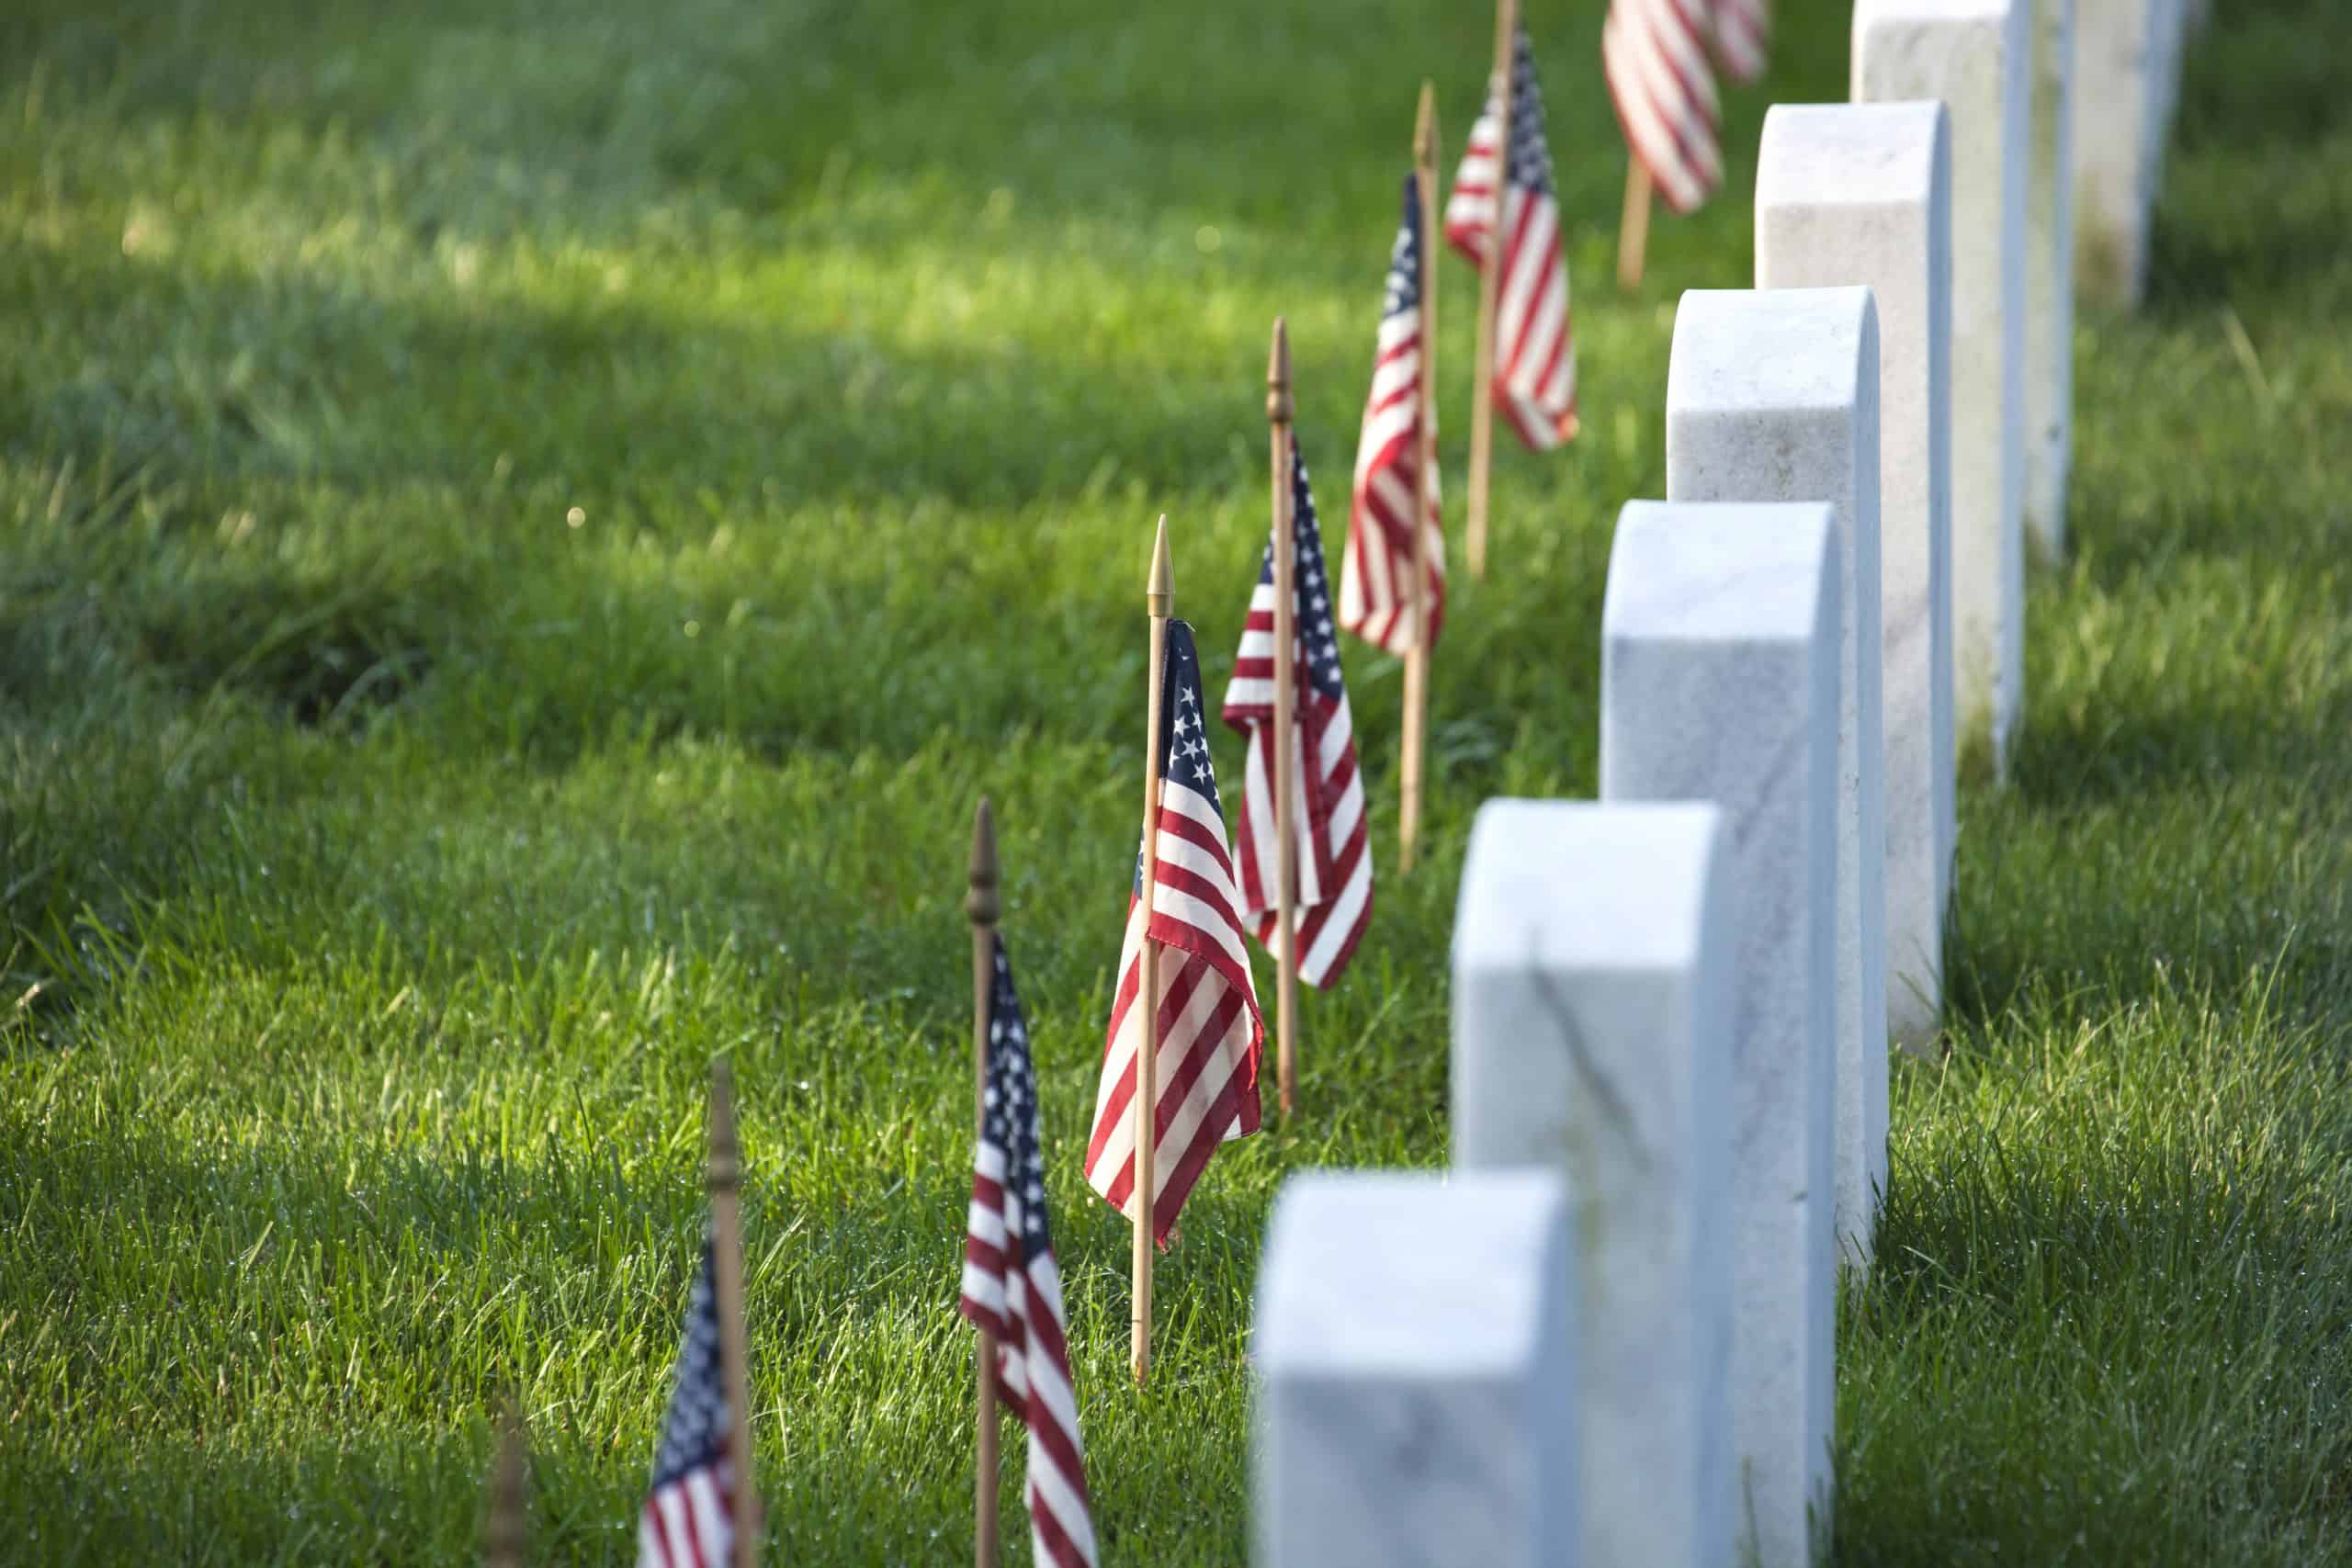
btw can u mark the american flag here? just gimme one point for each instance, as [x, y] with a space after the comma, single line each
[1375, 582]
[1013, 1287]
[1655, 54]
[1535, 354]
[689, 1516]
[1334, 879]
[1744, 36]
[1210, 1030]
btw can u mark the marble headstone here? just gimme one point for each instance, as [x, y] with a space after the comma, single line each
[1975, 55]
[2119, 83]
[1592, 968]
[1860, 194]
[1772, 395]
[1415, 1339]
[1720, 643]
[2050, 276]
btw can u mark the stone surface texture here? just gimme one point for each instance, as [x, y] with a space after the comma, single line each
[1975, 55]
[1720, 679]
[1415, 1337]
[1592, 969]
[2050, 276]
[1772, 395]
[1860, 194]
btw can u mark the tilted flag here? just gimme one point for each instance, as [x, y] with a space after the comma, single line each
[1377, 573]
[1535, 354]
[1655, 54]
[1744, 36]
[1013, 1287]
[1333, 883]
[689, 1516]
[1210, 1030]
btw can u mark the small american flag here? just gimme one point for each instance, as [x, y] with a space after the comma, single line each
[1209, 1027]
[1333, 884]
[1375, 584]
[1744, 36]
[1013, 1287]
[1654, 54]
[1535, 354]
[689, 1516]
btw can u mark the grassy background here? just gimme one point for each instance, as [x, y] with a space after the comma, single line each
[524, 526]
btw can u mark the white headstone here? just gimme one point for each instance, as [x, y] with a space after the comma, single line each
[2120, 84]
[1719, 645]
[1415, 1340]
[1860, 194]
[1974, 54]
[1772, 395]
[1592, 966]
[2050, 276]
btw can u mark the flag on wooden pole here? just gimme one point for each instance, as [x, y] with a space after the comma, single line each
[1376, 571]
[688, 1520]
[1332, 880]
[1533, 358]
[1207, 1025]
[1013, 1286]
[701, 1509]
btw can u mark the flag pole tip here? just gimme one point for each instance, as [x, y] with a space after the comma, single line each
[1425, 124]
[1278, 403]
[503, 1535]
[1161, 590]
[982, 903]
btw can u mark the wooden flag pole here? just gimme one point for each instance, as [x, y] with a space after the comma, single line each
[982, 905]
[1633, 231]
[1160, 599]
[1417, 656]
[504, 1533]
[1278, 415]
[726, 1180]
[1490, 272]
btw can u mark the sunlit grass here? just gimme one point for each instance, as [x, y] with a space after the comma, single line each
[523, 532]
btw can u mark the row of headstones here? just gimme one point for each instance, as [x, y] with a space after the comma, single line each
[1607, 1336]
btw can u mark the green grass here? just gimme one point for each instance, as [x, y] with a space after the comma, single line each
[525, 527]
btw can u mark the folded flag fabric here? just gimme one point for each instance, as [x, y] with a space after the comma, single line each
[1654, 55]
[1535, 356]
[1333, 885]
[1743, 37]
[1210, 1030]
[1013, 1286]
[1376, 570]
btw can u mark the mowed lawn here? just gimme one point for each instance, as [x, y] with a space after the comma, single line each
[525, 527]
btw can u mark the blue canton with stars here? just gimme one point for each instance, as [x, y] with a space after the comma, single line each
[1530, 156]
[1319, 639]
[1405, 259]
[693, 1435]
[1183, 741]
[1009, 1118]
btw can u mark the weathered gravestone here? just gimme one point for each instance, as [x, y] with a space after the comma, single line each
[2050, 276]
[1860, 194]
[1416, 1350]
[1975, 55]
[2121, 83]
[1593, 967]
[1772, 395]
[1720, 647]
